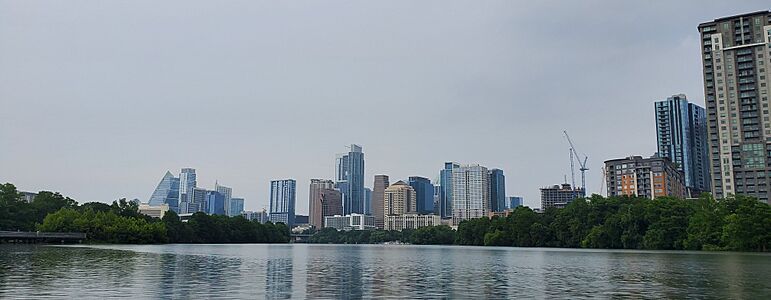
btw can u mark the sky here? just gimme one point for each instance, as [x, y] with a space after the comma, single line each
[98, 99]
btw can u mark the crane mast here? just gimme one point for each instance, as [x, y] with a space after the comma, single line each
[581, 164]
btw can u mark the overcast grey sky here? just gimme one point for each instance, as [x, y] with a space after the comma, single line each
[98, 99]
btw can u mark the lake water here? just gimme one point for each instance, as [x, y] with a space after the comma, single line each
[367, 271]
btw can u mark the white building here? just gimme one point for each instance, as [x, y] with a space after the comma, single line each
[411, 221]
[470, 192]
[155, 211]
[350, 222]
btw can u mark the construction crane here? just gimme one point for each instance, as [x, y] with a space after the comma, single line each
[581, 164]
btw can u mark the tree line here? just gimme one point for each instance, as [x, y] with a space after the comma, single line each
[122, 222]
[736, 223]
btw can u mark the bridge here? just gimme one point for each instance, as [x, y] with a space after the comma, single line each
[41, 237]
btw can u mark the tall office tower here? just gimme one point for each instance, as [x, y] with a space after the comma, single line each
[282, 201]
[735, 57]
[197, 201]
[214, 203]
[187, 183]
[399, 199]
[559, 196]
[226, 192]
[445, 195]
[645, 177]
[367, 201]
[681, 131]
[315, 215]
[349, 176]
[167, 192]
[437, 196]
[378, 194]
[470, 192]
[236, 206]
[514, 202]
[424, 194]
[331, 203]
[497, 190]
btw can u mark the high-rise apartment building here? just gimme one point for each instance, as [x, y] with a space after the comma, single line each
[315, 215]
[236, 206]
[735, 58]
[187, 182]
[367, 201]
[282, 201]
[331, 203]
[497, 190]
[399, 199]
[470, 192]
[215, 203]
[681, 131]
[167, 192]
[514, 202]
[424, 194]
[227, 193]
[349, 178]
[445, 195]
[646, 177]
[559, 196]
[378, 194]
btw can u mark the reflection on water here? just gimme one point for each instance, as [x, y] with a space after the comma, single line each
[350, 271]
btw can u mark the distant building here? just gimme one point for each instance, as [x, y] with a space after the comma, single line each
[399, 199]
[350, 222]
[497, 190]
[424, 194]
[646, 177]
[28, 196]
[681, 131]
[315, 209]
[445, 195]
[282, 201]
[349, 178]
[187, 182]
[300, 220]
[559, 196]
[502, 214]
[515, 201]
[411, 221]
[437, 197]
[236, 206]
[155, 211]
[227, 194]
[258, 216]
[378, 204]
[167, 192]
[197, 201]
[215, 203]
[367, 201]
[470, 192]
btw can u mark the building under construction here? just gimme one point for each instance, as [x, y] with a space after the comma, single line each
[559, 196]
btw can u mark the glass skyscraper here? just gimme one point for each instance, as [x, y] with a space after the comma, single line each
[187, 183]
[236, 206]
[167, 192]
[497, 190]
[424, 194]
[515, 201]
[681, 131]
[445, 191]
[227, 193]
[349, 178]
[282, 201]
[215, 203]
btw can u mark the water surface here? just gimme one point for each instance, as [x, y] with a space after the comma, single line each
[367, 271]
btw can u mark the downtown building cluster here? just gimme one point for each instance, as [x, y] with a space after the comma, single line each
[182, 195]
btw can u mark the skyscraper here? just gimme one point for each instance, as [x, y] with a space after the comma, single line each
[445, 195]
[331, 204]
[497, 190]
[226, 193]
[681, 131]
[514, 202]
[187, 182]
[315, 211]
[367, 201]
[470, 192]
[282, 201]
[349, 177]
[424, 194]
[214, 203]
[378, 192]
[167, 192]
[236, 206]
[735, 60]
[399, 199]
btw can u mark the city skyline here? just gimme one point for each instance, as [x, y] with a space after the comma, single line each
[87, 128]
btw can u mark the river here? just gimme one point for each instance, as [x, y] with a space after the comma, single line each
[368, 271]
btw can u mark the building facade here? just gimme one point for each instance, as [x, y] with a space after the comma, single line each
[735, 59]
[167, 192]
[411, 221]
[646, 177]
[155, 211]
[331, 203]
[227, 194]
[236, 206]
[559, 196]
[378, 195]
[349, 178]
[187, 182]
[399, 199]
[514, 202]
[681, 132]
[282, 201]
[257, 216]
[215, 203]
[315, 210]
[350, 222]
[367, 201]
[497, 190]
[470, 192]
[445, 189]
[424, 194]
